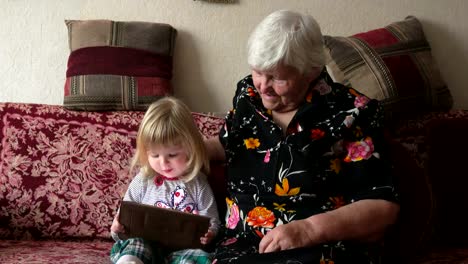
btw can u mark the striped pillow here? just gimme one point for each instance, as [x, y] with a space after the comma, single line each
[118, 65]
[393, 64]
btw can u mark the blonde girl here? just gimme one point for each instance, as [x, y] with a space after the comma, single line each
[173, 161]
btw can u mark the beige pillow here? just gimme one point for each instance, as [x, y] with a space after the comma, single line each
[393, 64]
[116, 65]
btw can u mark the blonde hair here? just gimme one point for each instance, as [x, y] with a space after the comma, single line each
[169, 121]
[289, 38]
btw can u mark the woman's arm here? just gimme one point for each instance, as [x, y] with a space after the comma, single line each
[364, 220]
[215, 149]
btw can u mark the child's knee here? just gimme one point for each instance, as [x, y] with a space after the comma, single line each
[133, 250]
[129, 259]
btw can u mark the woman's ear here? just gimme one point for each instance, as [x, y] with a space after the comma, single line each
[313, 74]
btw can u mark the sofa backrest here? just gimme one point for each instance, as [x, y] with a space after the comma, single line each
[63, 173]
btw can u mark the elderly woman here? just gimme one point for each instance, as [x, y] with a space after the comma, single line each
[307, 173]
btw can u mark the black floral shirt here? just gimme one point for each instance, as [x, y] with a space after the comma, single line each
[332, 154]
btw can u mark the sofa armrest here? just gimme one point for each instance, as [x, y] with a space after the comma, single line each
[427, 153]
[412, 232]
[447, 140]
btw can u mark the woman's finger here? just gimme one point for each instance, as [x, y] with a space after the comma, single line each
[264, 243]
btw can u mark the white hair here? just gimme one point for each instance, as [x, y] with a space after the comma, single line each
[288, 38]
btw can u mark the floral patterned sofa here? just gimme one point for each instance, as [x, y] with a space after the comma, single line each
[63, 172]
[62, 175]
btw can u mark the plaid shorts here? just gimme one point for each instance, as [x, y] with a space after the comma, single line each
[189, 256]
[148, 253]
[133, 246]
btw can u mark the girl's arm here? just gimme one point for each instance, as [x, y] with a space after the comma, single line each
[207, 207]
[133, 193]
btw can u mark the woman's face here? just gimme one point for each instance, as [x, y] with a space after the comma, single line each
[282, 89]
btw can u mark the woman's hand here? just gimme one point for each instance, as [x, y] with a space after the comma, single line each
[206, 239]
[300, 233]
[116, 226]
[344, 223]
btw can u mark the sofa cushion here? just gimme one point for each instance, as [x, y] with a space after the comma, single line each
[62, 172]
[116, 65]
[443, 255]
[49, 251]
[393, 64]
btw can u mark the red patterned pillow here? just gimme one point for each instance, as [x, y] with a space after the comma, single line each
[117, 65]
[63, 173]
[393, 64]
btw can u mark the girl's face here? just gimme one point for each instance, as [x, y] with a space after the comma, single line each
[169, 161]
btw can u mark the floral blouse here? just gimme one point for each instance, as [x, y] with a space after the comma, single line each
[332, 154]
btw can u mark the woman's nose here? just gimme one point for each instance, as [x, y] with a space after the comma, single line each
[265, 83]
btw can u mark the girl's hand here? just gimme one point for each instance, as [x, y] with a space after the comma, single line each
[116, 227]
[206, 239]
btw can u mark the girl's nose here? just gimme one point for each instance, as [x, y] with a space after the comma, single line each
[164, 161]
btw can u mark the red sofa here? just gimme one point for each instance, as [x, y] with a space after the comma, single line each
[63, 173]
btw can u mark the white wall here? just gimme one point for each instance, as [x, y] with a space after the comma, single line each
[210, 47]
